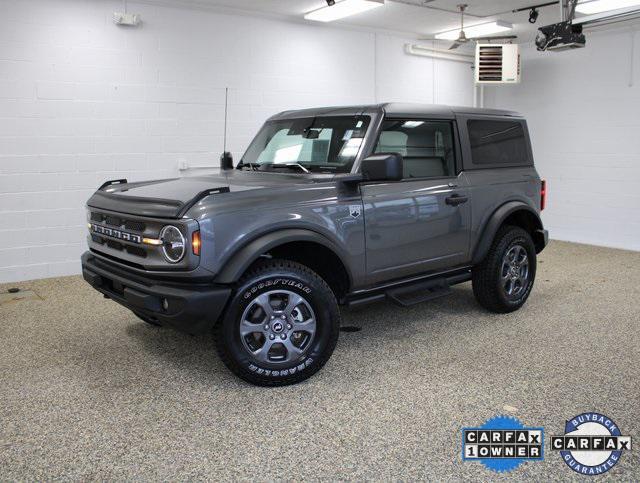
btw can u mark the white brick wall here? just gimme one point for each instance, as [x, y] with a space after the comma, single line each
[82, 101]
[584, 118]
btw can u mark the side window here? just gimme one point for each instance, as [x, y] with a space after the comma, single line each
[498, 142]
[426, 146]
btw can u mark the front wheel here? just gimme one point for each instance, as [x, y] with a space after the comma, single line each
[503, 281]
[281, 327]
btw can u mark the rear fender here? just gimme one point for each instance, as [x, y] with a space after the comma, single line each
[496, 221]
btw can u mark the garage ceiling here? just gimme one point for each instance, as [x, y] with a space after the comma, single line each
[409, 16]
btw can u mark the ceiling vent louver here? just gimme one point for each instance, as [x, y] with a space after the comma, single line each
[497, 64]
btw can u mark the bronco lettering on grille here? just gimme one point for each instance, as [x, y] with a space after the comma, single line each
[117, 234]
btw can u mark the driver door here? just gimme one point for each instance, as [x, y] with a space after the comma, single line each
[420, 224]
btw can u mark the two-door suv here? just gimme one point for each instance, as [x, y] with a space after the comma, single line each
[327, 207]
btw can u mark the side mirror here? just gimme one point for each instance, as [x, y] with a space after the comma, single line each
[383, 167]
[226, 160]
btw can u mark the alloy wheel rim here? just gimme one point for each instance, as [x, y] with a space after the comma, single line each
[278, 327]
[514, 271]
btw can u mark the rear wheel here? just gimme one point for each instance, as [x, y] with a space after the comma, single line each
[503, 281]
[281, 326]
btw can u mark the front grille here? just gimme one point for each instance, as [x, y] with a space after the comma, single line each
[137, 251]
[135, 225]
[125, 238]
[113, 221]
[131, 225]
[133, 250]
[118, 260]
[122, 224]
[115, 245]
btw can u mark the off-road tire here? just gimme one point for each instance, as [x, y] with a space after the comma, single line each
[486, 276]
[267, 277]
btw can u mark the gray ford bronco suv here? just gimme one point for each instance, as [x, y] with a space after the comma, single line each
[327, 207]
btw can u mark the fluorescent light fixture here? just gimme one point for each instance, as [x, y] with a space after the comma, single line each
[598, 6]
[290, 154]
[351, 148]
[412, 124]
[480, 30]
[342, 9]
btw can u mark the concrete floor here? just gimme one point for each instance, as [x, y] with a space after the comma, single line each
[90, 392]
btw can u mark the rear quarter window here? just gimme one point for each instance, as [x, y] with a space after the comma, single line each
[501, 143]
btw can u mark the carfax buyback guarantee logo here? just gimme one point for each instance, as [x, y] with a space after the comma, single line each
[502, 443]
[592, 443]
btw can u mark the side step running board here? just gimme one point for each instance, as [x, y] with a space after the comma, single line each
[419, 292]
[411, 292]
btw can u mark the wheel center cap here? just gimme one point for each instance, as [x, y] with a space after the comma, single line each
[277, 327]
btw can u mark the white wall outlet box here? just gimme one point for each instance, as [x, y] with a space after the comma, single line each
[497, 64]
[126, 19]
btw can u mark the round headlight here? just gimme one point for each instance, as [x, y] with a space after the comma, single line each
[173, 243]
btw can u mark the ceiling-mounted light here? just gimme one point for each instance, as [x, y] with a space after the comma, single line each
[533, 15]
[342, 9]
[412, 124]
[475, 31]
[597, 6]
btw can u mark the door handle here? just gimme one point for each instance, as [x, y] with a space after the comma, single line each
[455, 200]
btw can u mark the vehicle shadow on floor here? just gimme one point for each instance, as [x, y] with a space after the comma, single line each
[197, 354]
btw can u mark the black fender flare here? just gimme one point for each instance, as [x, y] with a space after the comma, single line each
[238, 263]
[495, 222]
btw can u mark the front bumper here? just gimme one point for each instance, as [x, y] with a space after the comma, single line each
[192, 308]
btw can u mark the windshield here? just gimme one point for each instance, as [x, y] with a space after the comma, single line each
[321, 144]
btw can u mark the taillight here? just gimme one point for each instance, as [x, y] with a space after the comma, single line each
[543, 194]
[195, 242]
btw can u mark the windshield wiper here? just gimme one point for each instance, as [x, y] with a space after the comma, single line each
[298, 165]
[252, 166]
[286, 165]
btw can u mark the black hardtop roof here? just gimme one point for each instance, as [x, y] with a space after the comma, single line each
[395, 109]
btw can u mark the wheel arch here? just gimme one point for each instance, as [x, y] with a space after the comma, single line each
[515, 213]
[288, 244]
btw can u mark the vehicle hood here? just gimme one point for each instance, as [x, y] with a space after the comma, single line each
[172, 198]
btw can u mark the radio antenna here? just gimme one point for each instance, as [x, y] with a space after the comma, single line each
[226, 106]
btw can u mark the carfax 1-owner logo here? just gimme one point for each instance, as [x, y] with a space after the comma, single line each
[592, 443]
[502, 443]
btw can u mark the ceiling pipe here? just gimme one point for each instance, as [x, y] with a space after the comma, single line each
[425, 4]
[424, 51]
